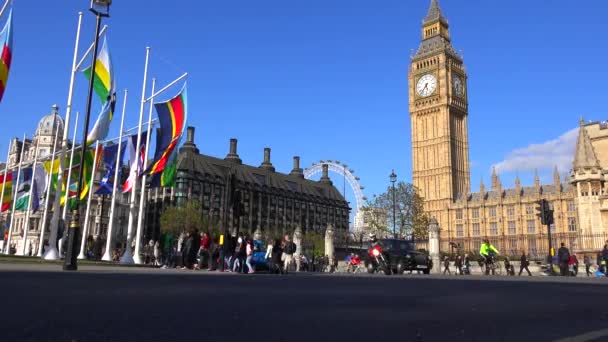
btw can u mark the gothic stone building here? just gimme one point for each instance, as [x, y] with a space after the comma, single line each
[438, 100]
[274, 203]
[50, 127]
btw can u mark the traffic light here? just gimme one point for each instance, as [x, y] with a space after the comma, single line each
[545, 212]
[541, 210]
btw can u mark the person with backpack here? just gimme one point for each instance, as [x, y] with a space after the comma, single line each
[289, 250]
[249, 253]
[563, 257]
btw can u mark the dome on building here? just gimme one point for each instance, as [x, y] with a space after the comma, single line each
[50, 122]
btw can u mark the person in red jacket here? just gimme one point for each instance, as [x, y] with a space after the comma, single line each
[204, 251]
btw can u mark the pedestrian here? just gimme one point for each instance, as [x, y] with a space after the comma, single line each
[215, 253]
[604, 258]
[157, 253]
[249, 253]
[268, 256]
[446, 265]
[563, 257]
[587, 261]
[204, 251]
[573, 264]
[458, 264]
[277, 255]
[524, 263]
[289, 250]
[240, 255]
[509, 267]
[467, 264]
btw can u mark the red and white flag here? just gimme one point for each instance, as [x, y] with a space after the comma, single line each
[136, 165]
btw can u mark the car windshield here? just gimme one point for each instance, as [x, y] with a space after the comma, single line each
[397, 245]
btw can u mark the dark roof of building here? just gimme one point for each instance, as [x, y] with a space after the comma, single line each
[255, 177]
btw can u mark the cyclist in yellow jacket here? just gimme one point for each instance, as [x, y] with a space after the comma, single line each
[488, 252]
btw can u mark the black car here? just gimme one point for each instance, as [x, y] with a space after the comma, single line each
[401, 256]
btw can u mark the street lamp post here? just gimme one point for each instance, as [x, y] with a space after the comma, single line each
[393, 178]
[101, 9]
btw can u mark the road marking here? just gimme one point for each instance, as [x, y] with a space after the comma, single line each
[589, 336]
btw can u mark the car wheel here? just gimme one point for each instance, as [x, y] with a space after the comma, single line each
[427, 271]
[400, 268]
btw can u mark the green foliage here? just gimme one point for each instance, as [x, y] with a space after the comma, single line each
[410, 218]
[314, 243]
[185, 218]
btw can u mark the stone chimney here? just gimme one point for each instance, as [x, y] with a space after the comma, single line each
[267, 164]
[325, 175]
[189, 145]
[233, 155]
[297, 171]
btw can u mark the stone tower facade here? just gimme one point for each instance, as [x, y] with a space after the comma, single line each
[438, 112]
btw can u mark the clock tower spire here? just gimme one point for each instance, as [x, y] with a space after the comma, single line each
[438, 108]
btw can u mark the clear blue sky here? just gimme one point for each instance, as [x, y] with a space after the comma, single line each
[328, 79]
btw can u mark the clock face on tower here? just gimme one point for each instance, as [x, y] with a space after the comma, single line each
[458, 86]
[426, 85]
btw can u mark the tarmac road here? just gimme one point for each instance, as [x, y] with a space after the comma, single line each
[42, 303]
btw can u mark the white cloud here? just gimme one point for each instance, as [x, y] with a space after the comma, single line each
[545, 155]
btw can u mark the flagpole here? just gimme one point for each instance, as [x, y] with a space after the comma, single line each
[142, 195]
[4, 7]
[53, 253]
[26, 225]
[127, 257]
[10, 227]
[64, 214]
[87, 214]
[107, 256]
[47, 198]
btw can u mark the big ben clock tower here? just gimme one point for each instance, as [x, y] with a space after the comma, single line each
[438, 112]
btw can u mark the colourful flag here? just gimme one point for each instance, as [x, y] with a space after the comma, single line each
[109, 160]
[23, 191]
[172, 117]
[166, 178]
[6, 41]
[170, 172]
[135, 165]
[39, 185]
[8, 189]
[87, 175]
[105, 87]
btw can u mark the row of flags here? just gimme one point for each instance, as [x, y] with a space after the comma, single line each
[172, 116]
[26, 188]
[37, 178]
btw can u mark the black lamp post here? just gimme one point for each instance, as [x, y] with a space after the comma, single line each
[393, 178]
[101, 9]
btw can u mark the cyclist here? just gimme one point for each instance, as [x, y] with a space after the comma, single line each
[488, 252]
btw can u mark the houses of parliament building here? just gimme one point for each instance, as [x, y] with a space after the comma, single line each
[438, 105]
